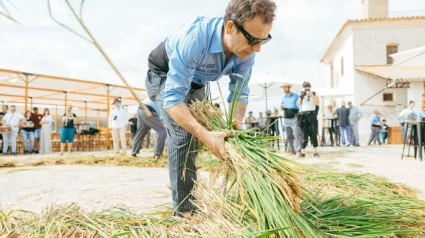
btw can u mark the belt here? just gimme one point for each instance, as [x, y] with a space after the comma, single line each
[150, 108]
[196, 86]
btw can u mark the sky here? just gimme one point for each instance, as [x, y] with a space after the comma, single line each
[129, 29]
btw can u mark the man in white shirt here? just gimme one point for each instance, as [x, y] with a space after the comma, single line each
[14, 120]
[117, 120]
[407, 115]
[331, 124]
[308, 101]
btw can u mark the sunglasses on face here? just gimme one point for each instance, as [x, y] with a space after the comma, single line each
[252, 40]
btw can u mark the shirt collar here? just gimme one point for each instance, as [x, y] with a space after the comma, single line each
[217, 41]
[290, 94]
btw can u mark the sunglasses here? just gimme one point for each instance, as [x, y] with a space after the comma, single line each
[252, 40]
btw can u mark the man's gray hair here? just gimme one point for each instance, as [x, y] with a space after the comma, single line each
[343, 103]
[245, 10]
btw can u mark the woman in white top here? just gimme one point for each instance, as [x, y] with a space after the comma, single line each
[117, 120]
[45, 135]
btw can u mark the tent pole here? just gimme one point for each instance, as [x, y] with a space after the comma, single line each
[26, 92]
[108, 142]
[56, 119]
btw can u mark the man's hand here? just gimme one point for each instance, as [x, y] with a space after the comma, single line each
[309, 93]
[281, 107]
[214, 141]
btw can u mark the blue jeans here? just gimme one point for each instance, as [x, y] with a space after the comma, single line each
[28, 135]
[12, 138]
[347, 129]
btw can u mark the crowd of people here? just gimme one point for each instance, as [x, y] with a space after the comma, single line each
[35, 129]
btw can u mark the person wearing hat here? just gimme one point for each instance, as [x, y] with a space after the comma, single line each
[117, 121]
[309, 102]
[290, 121]
[144, 126]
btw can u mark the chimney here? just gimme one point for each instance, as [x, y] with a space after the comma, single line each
[375, 8]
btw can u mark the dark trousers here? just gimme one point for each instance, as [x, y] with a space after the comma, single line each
[308, 126]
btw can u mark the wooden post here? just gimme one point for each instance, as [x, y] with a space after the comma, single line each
[108, 142]
[85, 112]
[26, 92]
[56, 119]
[66, 100]
[97, 120]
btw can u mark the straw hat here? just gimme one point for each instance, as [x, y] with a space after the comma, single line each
[285, 85]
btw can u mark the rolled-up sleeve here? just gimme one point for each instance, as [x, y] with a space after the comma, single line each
[240, 73]
[182, 65]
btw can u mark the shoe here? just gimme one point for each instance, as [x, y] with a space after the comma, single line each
[348, 145]
[4, 154]
[61, 154]
[36, 152]
[157, 157]
[291, 153]
[117, 152]
[184, 214]
[32, 152]
[134, 155]
[14, 153]
[316, 155]
[26, 152]
[301, 155]
[357, 145]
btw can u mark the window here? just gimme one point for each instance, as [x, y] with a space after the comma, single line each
[388, 97]
[391, 49]
[342, 66]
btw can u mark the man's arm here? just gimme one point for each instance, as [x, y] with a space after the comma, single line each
[212, 140]
[240, 111]
[313, 97]
[299, 101]
[359, 114]
[22, 121]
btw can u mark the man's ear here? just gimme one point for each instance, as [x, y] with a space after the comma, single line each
[229, 27]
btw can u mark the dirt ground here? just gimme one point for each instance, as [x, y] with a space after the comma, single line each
[141, 189]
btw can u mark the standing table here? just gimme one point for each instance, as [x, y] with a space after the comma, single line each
[418, 127]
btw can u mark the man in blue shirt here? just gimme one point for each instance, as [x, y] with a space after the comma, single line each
[179, 68]
[290, 109]
[375, 122]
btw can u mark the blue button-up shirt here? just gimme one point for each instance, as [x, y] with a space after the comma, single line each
[290, 102]
[196, 55]
[375, 119]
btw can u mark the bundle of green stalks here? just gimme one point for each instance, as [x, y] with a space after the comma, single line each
[265, 194]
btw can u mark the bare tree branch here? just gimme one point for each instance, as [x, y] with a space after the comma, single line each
[81, 9]
[4, 8]
[9, 17]
[145, 109]
[13, 5]
[63, 25]
[6, 12]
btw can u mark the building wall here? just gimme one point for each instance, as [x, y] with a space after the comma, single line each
[344, 50]
[371, 39]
